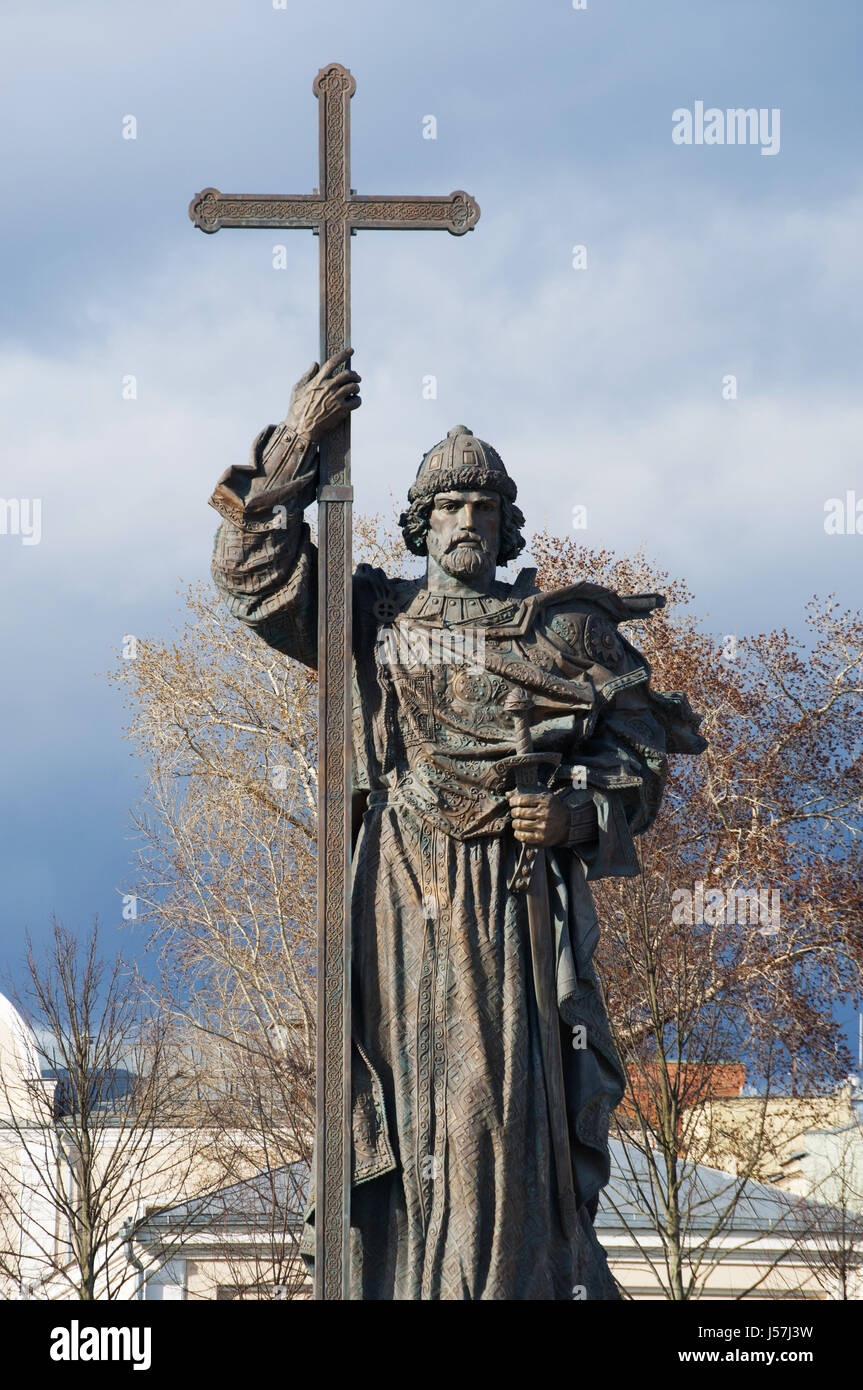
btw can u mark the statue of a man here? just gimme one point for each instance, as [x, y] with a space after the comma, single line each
[455, 1193]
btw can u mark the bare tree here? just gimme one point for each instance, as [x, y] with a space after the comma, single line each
[739, 934]
[226, 881]
[678, 1044]
[92, 1130]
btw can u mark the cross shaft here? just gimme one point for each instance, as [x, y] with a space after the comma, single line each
[334, 212]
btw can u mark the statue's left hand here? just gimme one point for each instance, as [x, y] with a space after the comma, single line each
[539, 818]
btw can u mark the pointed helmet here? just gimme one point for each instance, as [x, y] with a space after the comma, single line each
[459, 463]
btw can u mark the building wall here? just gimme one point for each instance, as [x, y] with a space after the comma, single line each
[745, 1266]
[763, 1137]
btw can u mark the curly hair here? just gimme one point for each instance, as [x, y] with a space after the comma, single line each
[414, 523]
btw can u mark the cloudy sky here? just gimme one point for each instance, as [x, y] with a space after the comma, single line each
[601, 386]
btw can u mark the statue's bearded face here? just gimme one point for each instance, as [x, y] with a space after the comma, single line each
[464, 533]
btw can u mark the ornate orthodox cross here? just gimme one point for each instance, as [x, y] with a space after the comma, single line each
[334, 212]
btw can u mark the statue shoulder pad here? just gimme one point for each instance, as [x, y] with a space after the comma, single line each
[620, 608]
[590, 635]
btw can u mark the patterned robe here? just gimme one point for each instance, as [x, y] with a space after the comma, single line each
[454, 1190]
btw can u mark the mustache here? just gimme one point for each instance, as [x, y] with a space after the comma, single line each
[468, 538]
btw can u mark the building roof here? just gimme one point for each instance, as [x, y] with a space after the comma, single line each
[706, 1195]
[247, 1203]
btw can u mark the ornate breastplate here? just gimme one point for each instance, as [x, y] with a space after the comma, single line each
[451, 664]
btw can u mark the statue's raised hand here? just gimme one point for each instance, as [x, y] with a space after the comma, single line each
[283, 464]
[323, 396]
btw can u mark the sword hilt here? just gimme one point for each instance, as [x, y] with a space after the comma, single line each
[518, 704]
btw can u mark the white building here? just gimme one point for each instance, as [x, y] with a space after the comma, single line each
[178, 1232]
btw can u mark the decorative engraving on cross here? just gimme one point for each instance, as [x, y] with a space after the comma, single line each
[334, 211]
[336, 206]
[211, 210]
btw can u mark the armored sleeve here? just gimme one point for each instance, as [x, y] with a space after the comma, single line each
[264, 563]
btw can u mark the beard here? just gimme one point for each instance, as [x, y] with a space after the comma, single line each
[465, 561]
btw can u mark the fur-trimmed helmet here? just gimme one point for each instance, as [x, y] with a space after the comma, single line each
[460, 462]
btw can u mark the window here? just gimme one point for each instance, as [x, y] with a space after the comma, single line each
[167, 1284]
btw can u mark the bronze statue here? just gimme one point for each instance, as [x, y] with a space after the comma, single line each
[507, 747]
